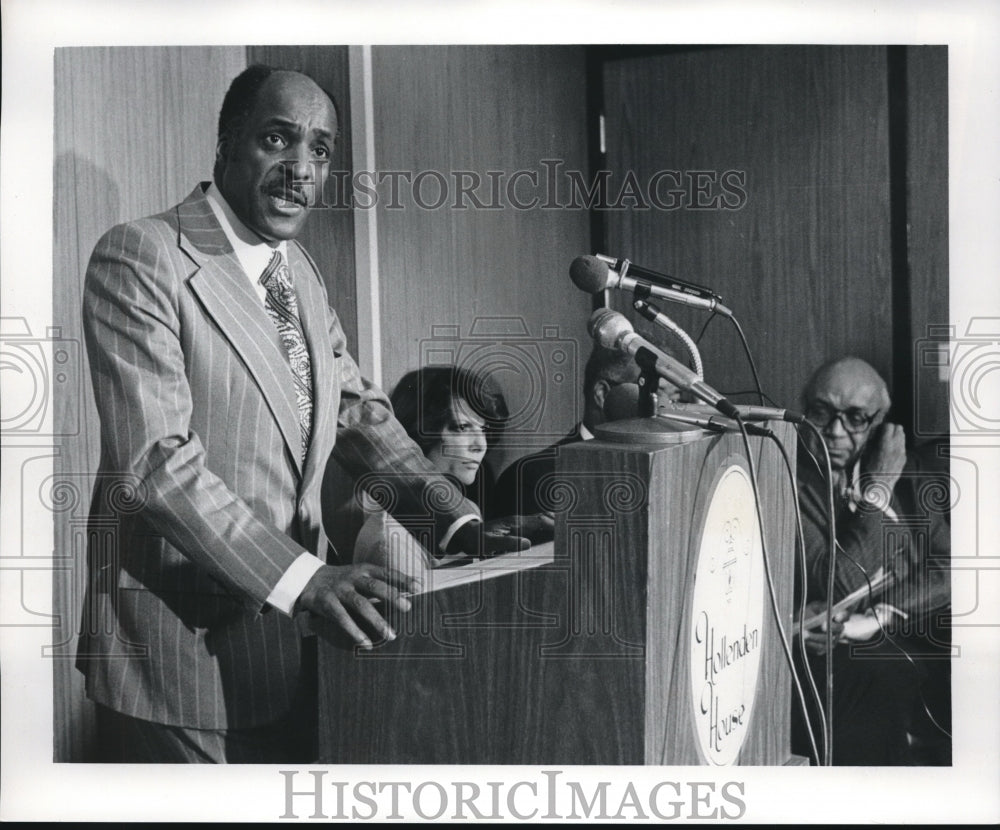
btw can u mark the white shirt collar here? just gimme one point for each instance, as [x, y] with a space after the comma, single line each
[585, 434]
[851, 484]
[253, 253]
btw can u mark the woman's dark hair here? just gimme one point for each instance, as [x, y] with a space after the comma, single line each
[423, 401]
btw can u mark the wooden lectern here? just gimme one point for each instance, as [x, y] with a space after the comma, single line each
[644, 635]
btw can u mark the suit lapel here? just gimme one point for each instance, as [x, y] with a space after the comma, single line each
[228, 298]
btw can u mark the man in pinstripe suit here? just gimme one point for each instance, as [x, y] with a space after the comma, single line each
[190, 643]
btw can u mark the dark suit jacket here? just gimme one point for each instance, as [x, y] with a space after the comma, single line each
[522, 488]
[203, 500]
[915, 545]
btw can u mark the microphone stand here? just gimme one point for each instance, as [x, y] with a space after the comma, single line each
[649, 383]
[652, 313]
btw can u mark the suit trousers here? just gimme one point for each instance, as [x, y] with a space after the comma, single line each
[874, 691]
[292, 740]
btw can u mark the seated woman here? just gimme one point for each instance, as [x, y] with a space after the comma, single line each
[454, 415]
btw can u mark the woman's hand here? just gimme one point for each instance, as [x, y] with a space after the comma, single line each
[482, 541]
[537, 528]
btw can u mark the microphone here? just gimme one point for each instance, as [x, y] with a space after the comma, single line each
[595, 273]
[714, 423]
[613, 331]
[746, 412]
[768, 413]
[625, 267]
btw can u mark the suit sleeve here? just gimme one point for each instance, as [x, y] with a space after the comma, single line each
[134, 338]
[859, 537]
[374, 448]
[869, 539]
[924, 559]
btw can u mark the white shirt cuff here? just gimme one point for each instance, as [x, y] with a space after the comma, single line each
[470, 517]
[293, 582]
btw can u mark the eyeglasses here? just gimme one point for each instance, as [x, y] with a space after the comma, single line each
[853, 420]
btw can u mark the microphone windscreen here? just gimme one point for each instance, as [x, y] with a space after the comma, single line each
[589, 274]
[607, 327]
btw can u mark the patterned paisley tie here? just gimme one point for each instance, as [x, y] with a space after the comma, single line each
[281, 304]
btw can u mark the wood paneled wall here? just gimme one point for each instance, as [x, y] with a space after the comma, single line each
[505, 272]
[805, 262]
[134, 133]
[926, 130]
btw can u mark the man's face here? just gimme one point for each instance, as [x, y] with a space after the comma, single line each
[274, 170]
[858, 401]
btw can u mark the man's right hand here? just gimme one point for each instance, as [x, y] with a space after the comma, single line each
[346, 595]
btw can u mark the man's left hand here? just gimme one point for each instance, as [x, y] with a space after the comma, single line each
[815, 638]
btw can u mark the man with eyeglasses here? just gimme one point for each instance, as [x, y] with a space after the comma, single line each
[890, 536]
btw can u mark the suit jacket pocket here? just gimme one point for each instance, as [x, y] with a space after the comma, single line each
[151, 563]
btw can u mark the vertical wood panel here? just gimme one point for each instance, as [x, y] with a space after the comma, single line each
[927, 183]
[134, 132]
[329, 233]
[804, 264]
[481, 109]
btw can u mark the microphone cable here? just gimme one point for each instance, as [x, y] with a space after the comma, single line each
[832, 541]
[801, 550]
[782, 634]
[746, 350]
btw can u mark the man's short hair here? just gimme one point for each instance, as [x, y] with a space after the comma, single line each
[856, 366]
[240, 98]
[611, 365]
[242, 95]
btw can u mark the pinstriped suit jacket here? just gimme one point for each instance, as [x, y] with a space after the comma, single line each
[197, 410]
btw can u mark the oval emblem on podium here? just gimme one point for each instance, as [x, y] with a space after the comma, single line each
[726, 622]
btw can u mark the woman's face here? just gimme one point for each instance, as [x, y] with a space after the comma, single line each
[462, 445]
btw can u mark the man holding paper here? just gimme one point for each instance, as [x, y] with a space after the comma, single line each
[891, 581]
